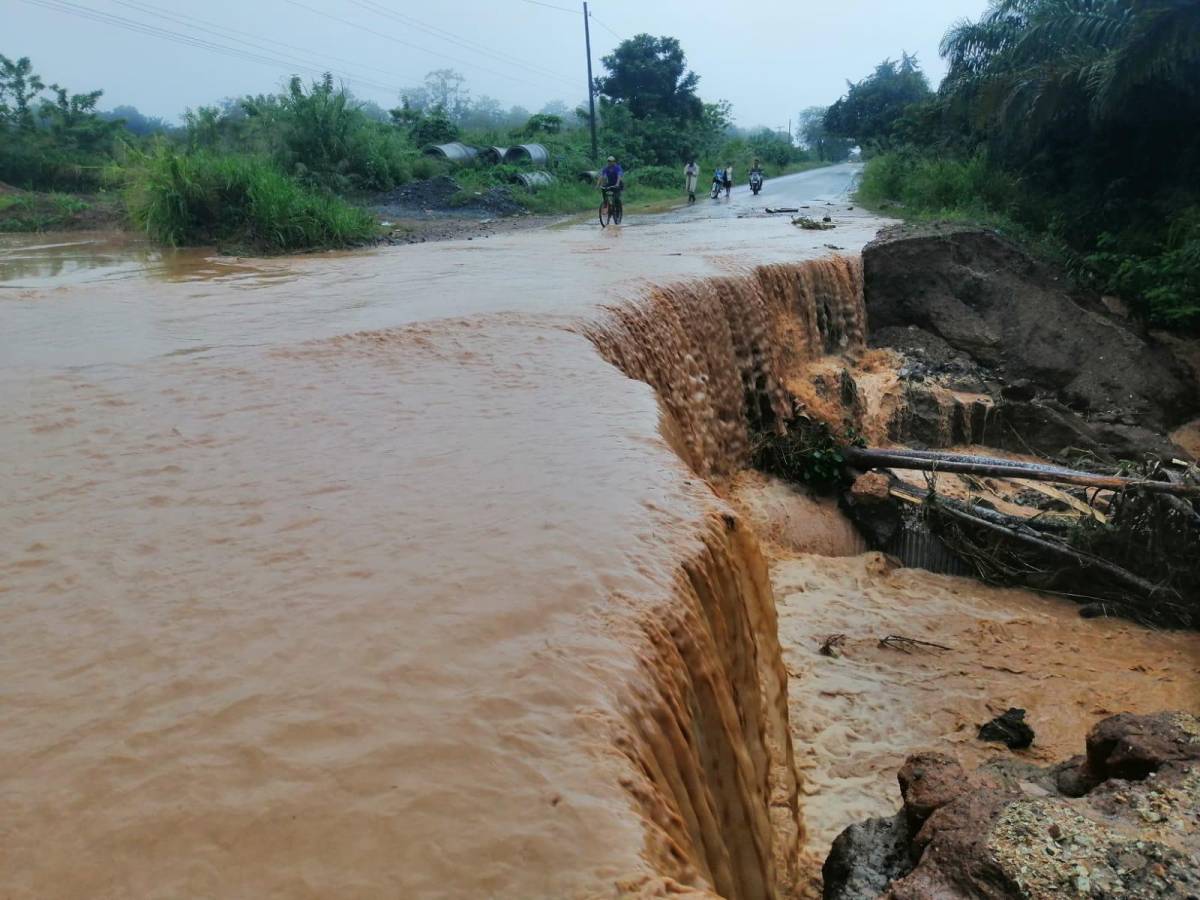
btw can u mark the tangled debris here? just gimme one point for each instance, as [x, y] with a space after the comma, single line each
[1132, 547]
[812, 224]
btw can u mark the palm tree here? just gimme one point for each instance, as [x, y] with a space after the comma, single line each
[1027, 64]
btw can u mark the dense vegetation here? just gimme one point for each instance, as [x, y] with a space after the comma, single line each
[273, 172]
[1075, 122]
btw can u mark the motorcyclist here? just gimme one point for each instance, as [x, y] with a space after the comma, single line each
[756, 171]
[718, 180]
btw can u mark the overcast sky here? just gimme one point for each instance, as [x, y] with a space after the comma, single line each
[769, 58]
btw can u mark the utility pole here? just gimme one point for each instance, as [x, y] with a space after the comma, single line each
[587, 39]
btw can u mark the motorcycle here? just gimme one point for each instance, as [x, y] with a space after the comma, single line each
[717, 187]
[756, 182]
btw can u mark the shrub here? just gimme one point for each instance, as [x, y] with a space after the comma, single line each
[238, 201]
[657, 177]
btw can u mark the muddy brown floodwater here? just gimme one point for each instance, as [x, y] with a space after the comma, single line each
[368, 575]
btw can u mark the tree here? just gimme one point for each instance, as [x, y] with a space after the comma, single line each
[1029, 64]
[61, 143]
[425, 127]
[772, 147]
[447, 88]
[817, 139]
[18, 87]
[649, 76]
[542, 123]
[135, 121]
[870, 109]
[73, 124]
[649, 110]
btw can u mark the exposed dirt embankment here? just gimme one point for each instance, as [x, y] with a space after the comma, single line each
[975, 313]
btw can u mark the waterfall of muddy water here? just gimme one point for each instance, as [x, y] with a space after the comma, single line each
[362, 574]
[719, 352]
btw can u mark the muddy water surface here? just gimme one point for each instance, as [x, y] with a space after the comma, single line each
[360, 574]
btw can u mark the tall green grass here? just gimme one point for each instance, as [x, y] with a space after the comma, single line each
[237, 202]
[1153, 265]
[936, 184]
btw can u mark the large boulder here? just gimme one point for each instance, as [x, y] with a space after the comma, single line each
[980, 294]
[1120, 822]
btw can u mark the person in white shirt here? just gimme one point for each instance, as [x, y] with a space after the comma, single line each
[728, 179]
[691, 175]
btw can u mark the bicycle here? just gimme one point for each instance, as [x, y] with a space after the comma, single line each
[611, 208]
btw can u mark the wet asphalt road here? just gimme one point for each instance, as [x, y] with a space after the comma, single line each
[815, 188]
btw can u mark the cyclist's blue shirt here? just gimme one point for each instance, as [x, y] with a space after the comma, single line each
[612, 174]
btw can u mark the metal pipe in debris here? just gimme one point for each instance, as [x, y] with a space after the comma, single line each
[866, 458]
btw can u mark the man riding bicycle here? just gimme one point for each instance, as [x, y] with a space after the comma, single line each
[612, 179]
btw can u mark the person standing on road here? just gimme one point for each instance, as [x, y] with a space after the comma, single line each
[728, 179]
[691, 175]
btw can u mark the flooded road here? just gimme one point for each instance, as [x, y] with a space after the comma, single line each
[346, 574]
[365, 574]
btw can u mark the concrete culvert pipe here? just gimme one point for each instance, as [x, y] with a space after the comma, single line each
[534, 153]
[534, 180]
[493, 155]
[589, 177]
[455, 152]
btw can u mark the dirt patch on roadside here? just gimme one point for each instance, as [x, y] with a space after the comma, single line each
[437, 209]
[421, 231]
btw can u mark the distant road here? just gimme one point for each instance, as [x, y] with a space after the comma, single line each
[830, 184]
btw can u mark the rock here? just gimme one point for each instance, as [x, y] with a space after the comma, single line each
[1072, 778]
[865, 858]
[986, 297]
[1021, 389]
[928, 781]
[870, 488]
[1009, 729]
[1131, 747]
[1049, 427]
[1014, 830]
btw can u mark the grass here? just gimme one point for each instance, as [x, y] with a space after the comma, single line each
[238, 203]
[1153, 265]
[32, 211]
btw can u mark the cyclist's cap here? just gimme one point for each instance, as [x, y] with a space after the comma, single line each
[612, 159]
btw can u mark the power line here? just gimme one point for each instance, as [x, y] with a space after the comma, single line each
[573, 12]
[606, 28]
[262, 56]
[225, 31]
[456, 39]
[403, 43]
